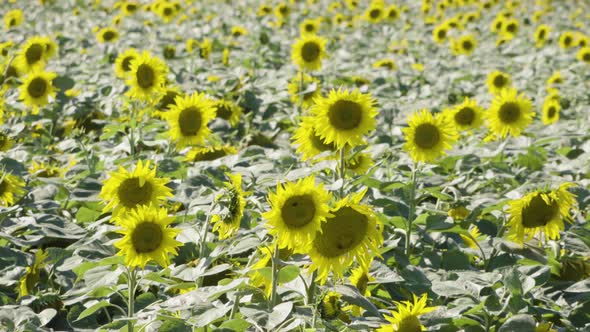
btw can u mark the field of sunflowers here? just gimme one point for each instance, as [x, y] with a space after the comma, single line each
[295, 165]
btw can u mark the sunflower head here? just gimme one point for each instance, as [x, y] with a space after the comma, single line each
[541, 35]
[13, 19]
[308, 141]
[309, 86]
[123, 62]
[189, 118]
[406, 317]
[360, 278]
[330, 306]
[510, 27]
[232, 202]
[11, 187]
[428, 136]
[359, 163]
[107, 35]
[210, 153]
[551, 109]
[308, 52]
[440, 33]
[166, 101]
[466, 116]
[228, 110]
[510, 113]
[309, 27]
[33, 55]
[584, 55]
[146, 77]
[465, 45]
[388, 64]
[498, 81]
[375, 13]
[36, 89]
[566, 40]
[238, 31]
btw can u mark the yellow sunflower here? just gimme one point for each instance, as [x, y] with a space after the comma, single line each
[13, 18]
[385, 63]
[428, 136]
[11, 187]
[264, 10]
[205, 48]
[308, 52]
[566, 39]
[440, 33]
[191, 45]
[228, 110]
[406, 317]
[5, 142]
[32, 56]
[498, 81]
[344, 117]
[582, 40]
[510, 113]
[375, 13]
[125, 191]
[352, 233]
[36, 89]
[147, 237]
[473, 238]
[189, 119]
[540, 212]
[311, 89]
[45, 170]
[210, 153]
[238, 31]
[541, 35]
[167, 11]
[166, 101]
[297, 213]
[330, 307]
[233, 203]
[465, 45]
[309, 143]
[146, 77]
[309, 27]
[466, 116]
[6, 47]
[282, 10]
[510, 28]
[392, 13]
[130, 7]
[264, 280]
[555, 79]
[107, 35]
[584, 55]
[359, 163]
[123, 62]
[551, 109]
[360, 278]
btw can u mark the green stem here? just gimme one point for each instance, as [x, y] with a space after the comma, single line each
[205, 229]
[131, 298]
[132, 132]
[311, 289]
[301, 94]
[341, 171]
[412, 210]
[275, 277]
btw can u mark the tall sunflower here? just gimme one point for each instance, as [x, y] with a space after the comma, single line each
[36, 89]
[540, 212]
[147, 237]
[406, 317]
[310, 89]
[498, 81]
[466, 116]
[11, 187]
[428, 136]
[551, 109]
[32, 56]
[123, 62]
[344, 117]
[510, 113]
[308, 141]
[228, 110]
[233, 203]
[297, 213]
[308, 52]
[146, 77]
[352, 233]
[125, 191]
[189, 119]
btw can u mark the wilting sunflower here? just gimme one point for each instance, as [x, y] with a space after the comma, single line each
[385, 63]
[210, 153]
[359, 163]
[147, 237]
[344, 117]
[464, 45]
[375, 13]
[541, 35]
[540, 212]
[123, 62]
[32, 273]
[189, 119]
[406, 317]
[498, 81]
[146, 77]
[308, 52]
[309, 27]
[297, 213]
[228, 110]
[566, 40]
[440, 33]
[352, 233]
[166, 101]
[510, 113]
[584, 55]
[551, 109]
[428, 136]
[125, 191]
[466, 116]
[11, 187]
[107, 35]
[13, 18]
[36, 89]
[311, 89]
[32, 55]
[308, 141]
[233, 203]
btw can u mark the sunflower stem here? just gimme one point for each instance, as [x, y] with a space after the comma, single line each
[412, 210]
[275, 276]
[301, 93]
[205, 229]
[311, 288]
[341, 172]
[131, 298]
[132, 132]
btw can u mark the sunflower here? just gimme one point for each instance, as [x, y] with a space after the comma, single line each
[5, 47]
[510, 28]
[566, 40]
[465, 116]
[210, 153]
[541, 35]
[406, 317]
[50, 48]
[205, 48]
[464, 45]
[167, 11]
[308, 52]
[510, 113]
[360, 278]
[13, 19]
[166, 101]
[309, 27]
[32, 273]
[229, 111]
[352, 4]
[233, 203]
[385, 63]
[123, 62]
[129, 8]
[551, 110]
[392, 13]
[352, 233]
[311, 89]
[282, 11]
[359, 163]
[189, 119]
[32, 55]
[36, 89]
[584, 55]
[147, 237]
[263, 10]
[540, 212]
[11, 186]
[146, 77]
[169, 52]
[125, 191]
[498, 81]
[440, 33]
[107, 35]
[471, 240]
[12, 73]
[5, 142]
[428, 136]
[497, 24]
[330, 305]
[45, 170]
[191, 45]
[375, 13]
[297, 213]
[344, 117]
[555, 79]
[309, 143]
[582, 40]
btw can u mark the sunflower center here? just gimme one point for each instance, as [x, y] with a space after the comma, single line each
[409, 324]
[500, 81]
[567, 40]
[12, 23]
[465, 116]
[310, 51]
[108, 35]
[341, 233]
[34, 53]
[551, 112]
[145, 76]
[511, 27]
[345, 114]
[126, 63]
[586, 57]
[11, 72]
[167, 100]
[441, 34]
[375, 13]
[509, 112]
[147, 237]
[167, 11]
[392, 13]
[298, 211]
[538, 213]
[224, 112]
[427, 136]
[542, 34]
[37, 88]
[319, 143]
[283, 10]
[467, 45]
[131, 7]
[309, 27]
[190, 121]
[132, 194]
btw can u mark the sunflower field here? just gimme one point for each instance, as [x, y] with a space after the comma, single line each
[295, 165]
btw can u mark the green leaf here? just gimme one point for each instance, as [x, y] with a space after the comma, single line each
[236, 324]
[85, 215]
[288, 273]
[520, 323]
[92, 309]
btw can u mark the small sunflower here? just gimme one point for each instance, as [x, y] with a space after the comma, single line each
[107, 35]
[555, 79]
[167, 11]
[205, 48]
[45, 170]
[169, 52]
[541, 35]
[32, 55]
[309, 143]
[5, 142]
[308, 52]
[6, 47]
[375, 13]
[13, 18]
[36, 89]
[584, 55]
[406, 317]
[297, 213]
[229, 111]
[465, 45]
[359, 163]
[385, 63]
[264, 10]
[428, 136]
[498, 81]
[510, 113]
[238, 31]
[130, 7]
[282, 11]
[330, 306]
[510, 28]
[566, 40]
[191, 45]
[440, 33]
[146, 77]
[582, 40]
[551, 109]
[466, 116]
[125, 191]
[311, 89]
[233, 203]
[392, 13]
[540, 212]
[309, 27]
[11, 187]
[472, 239]
[166, 101]
[360, 278]
[210, 153]
[497, 24]
[189, 119]
[147, 237]
[123, 62]
[344, 117]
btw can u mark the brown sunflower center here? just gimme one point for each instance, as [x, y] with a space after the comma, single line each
[465, 116]
[442, 33]
[375, 13]
[427, 136]
[392, 14]
[34, 53]
[11, 72]
[551, 112]
[310, 51]
[467, 45]
[3, 187]
[146, 76]
[511, 27]
[586, 57]
[500, 81]
[126, 63]
[11, 23]
[409, 323]
[298, 211]
[538, 213]
[567, 40]
[167, 100]
[147, 237]
[168, 11]
[37, 88]
[131, 7]
[131, 194]
[509, 112]
[542, 34]
[224, 111]
[190, 121]
[319, 143]
[109, 35]
[309, 27]
[345, 114]
[341, 233]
